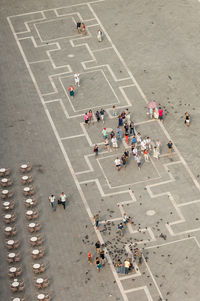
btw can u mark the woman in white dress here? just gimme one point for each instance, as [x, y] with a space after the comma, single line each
[156, 152]
[155, 113]
[99, 35]
[114, 142]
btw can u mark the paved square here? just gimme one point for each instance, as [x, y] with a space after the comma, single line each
[149, 52]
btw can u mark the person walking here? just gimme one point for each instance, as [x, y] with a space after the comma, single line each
[96, 220]
[99, 35]
[63, 199]
[120, 121]
[96, 150]
[170, 149]
[77, 79]
[123, 160]
[52, 201]
[158, 145]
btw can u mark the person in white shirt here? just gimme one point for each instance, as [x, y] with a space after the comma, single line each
[118, 163]
[52, 201]
[63, 199]
[99, 35]
[143, 145]
[77, 79]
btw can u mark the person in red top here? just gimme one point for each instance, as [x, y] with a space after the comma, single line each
[160, 112]
[89, 258]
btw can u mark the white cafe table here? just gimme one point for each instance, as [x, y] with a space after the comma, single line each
[15, 283]
[8, 229]
[11, 255]
[29, 212]
[29, 201]
[5, 191]
[6, 204]
[41, 297]
[13, 269]
[33, 238]
[25, 178]
[32, 225]
[10, 242]
[26, 189]
[16, 299]
[7, 216]
[39, 280]
[4, 180]
[2, 169]
[36, 266]
[35, 252]
[24, 166]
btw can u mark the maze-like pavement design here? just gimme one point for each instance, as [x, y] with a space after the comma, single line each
[164, 193]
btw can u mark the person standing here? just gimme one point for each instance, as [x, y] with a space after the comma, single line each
[52, 201]
[71, 91]
[102, 256]
[156, 152]
[138, 160]
[96, 150]
[114, 143]
[119, 267]
[120, 229]
[104, 133]
[117, 164]
[90, 116]
[78, 26]
[99, 35]
[102, 112]
[126, 266]
[146, 155]
[89, 258]
[138, 255]
[160, 113]
[83, 29]
[187, 119]
[77, 79]
[107, 145]
[170, 148]
[119, 133]
[98, 264]
[132, 128]
[98, 247]
[86, 118]
[63, 199]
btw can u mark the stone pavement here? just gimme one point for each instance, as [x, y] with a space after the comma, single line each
[42, 124]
